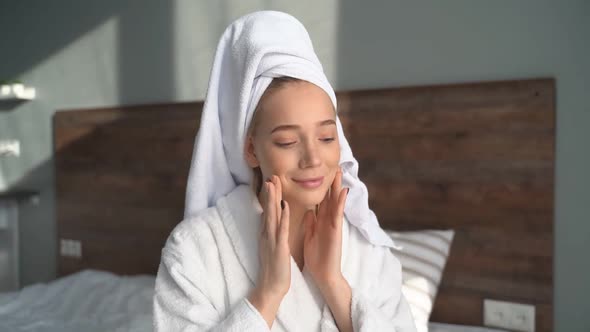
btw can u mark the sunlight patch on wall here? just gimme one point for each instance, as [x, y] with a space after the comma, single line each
[91, 58]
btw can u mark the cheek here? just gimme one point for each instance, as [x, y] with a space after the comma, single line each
[332, 155]
[332, 161]
[281, 161]
[277, 161]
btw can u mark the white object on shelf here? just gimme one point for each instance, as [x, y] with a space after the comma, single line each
[16, 92]
[9, 148]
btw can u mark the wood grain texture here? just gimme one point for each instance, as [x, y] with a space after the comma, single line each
[474, 157]
[121, 176]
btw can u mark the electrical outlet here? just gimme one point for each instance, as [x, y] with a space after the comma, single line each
[77, 249]
[9, 147]
[70, 248]
[509, 315]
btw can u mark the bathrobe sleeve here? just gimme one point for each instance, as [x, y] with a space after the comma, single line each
[382, 306]
[181, 304]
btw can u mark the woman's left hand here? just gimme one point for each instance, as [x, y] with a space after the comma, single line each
[322, 250]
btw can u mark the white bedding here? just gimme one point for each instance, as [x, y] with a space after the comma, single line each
[86, 301]
[100, 301]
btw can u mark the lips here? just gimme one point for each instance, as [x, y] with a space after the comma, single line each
[310, 183]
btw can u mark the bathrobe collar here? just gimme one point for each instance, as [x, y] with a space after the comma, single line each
[241, 213]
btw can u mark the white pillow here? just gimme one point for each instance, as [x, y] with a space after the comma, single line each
[423, 257]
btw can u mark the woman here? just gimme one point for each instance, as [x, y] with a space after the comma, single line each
[271, 240]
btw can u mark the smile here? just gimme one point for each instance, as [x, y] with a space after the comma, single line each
[310, 183]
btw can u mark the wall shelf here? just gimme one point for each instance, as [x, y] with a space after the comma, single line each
[21, 195]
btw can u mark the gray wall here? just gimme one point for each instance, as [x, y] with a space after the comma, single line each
[111, 52]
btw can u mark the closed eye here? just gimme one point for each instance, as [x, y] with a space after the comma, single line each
[287, 144]
[284, 145]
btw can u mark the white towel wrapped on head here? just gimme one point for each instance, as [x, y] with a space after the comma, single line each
[252, 51]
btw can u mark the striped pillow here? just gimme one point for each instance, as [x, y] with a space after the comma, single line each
[423, 257]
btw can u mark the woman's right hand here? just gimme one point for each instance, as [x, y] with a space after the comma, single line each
[274, 278]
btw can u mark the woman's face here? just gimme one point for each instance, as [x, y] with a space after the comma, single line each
[295, 138]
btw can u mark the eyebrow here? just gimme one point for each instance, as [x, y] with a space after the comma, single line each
[293, 127]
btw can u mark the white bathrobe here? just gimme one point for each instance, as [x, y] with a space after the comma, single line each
[210, 265]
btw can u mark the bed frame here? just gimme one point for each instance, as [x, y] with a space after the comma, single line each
[474, 157]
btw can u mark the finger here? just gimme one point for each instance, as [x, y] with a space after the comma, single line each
[271, 212]
[278, 196]
[340, 209]
[335, 188]
[264, 200]
[323, 206]
[283, 234]
[263, 224]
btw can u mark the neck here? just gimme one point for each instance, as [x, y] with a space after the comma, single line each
[296, 232]
[296, 213]
[296, 229]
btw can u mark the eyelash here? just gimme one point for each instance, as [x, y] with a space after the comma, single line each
[286, 145]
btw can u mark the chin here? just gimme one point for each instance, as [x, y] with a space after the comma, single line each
[309, 198]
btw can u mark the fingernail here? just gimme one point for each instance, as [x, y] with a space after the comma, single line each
[282, 204]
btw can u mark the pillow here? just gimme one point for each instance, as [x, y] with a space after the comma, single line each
[423, 257]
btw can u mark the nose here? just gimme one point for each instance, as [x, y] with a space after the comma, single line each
[310, 156]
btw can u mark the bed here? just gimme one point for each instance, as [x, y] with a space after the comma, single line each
[94, 300]
[474, 158]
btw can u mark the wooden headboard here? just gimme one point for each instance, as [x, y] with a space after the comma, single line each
[475, 157]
